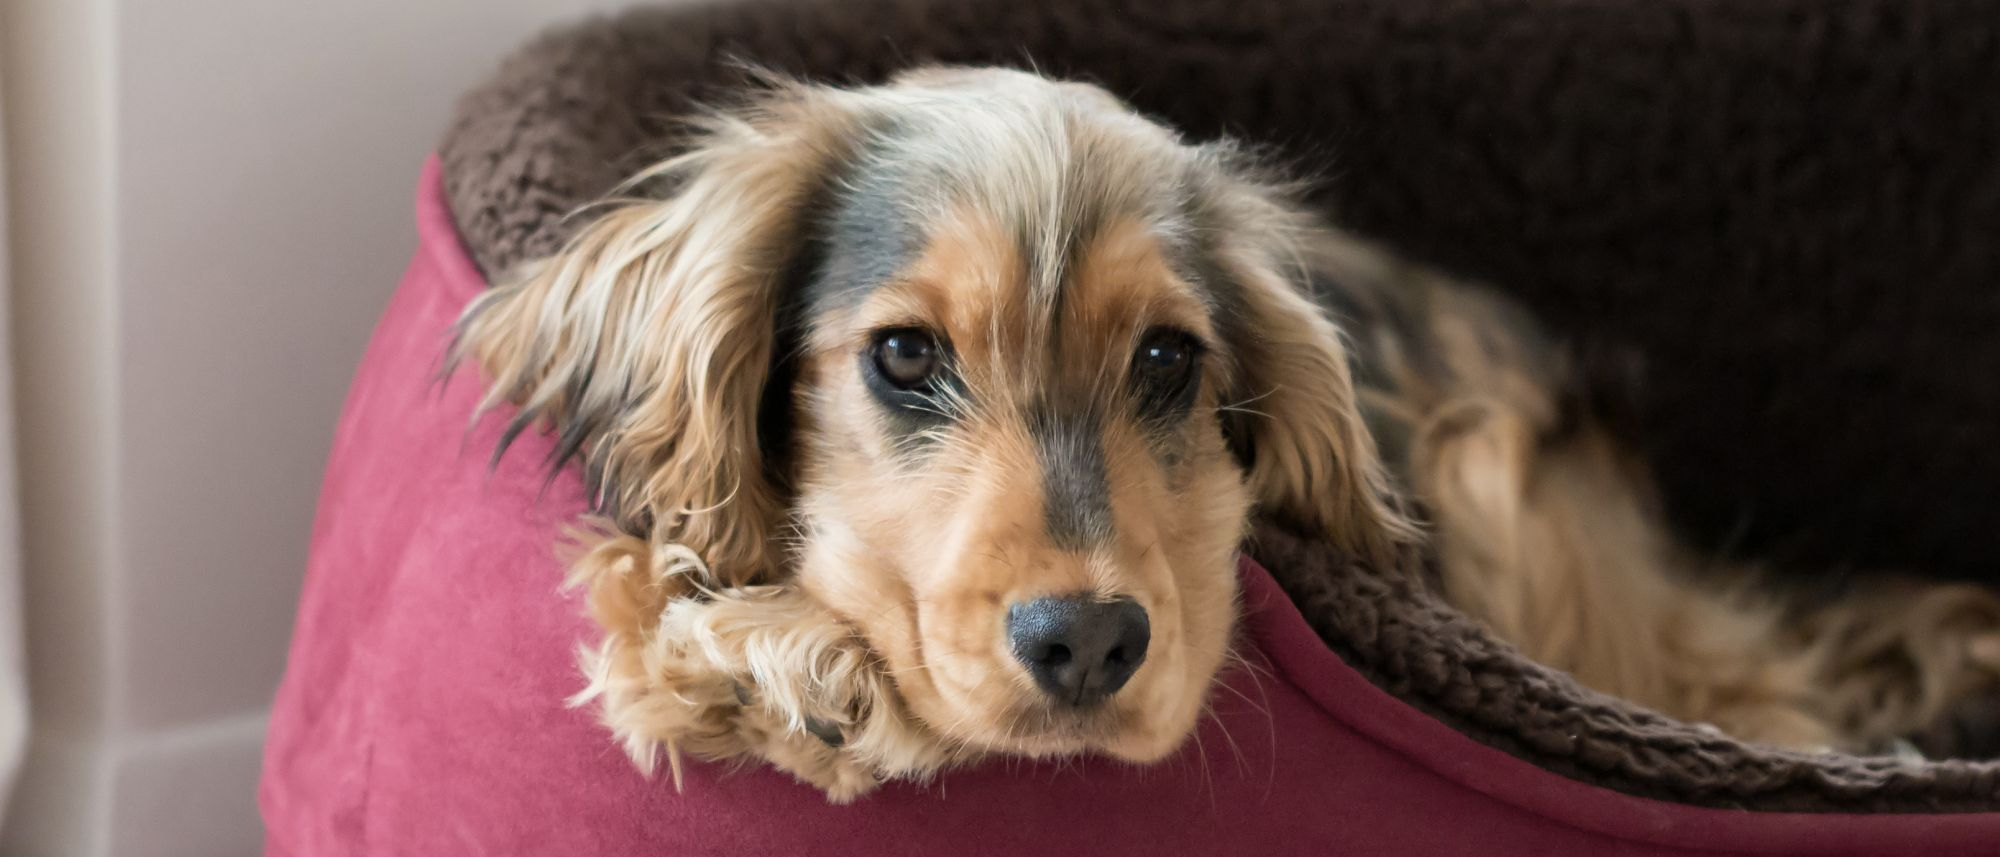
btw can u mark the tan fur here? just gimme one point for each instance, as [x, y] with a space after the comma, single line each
[1553, 550]
[860, 595]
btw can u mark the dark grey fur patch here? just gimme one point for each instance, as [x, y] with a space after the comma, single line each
[867, 238]
[1197, 260]
[1076, 487]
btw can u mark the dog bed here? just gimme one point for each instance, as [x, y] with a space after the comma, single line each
[1776, 217]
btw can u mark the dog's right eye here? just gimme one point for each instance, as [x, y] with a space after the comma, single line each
[907, 358]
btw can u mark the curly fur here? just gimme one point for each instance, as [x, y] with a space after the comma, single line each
[722, 673]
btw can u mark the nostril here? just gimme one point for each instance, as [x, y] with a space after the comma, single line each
[1054, 656]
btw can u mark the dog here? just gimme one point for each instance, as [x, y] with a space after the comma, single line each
[924, 422]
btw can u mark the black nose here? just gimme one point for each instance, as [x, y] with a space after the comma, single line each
[1079, 650]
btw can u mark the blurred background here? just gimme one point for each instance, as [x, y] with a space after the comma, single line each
[206, 204]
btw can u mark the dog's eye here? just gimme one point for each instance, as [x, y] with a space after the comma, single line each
[1163, 371]
[907, 358]
[1165, 359]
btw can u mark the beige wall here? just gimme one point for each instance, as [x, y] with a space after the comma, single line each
[13, 665]
[209, 203]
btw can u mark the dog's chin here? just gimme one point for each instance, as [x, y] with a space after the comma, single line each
[1120, 732]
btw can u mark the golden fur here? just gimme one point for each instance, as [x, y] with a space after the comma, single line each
[835, 608]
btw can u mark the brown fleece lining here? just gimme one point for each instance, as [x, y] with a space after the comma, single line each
[1786, 208]
[1418, 648]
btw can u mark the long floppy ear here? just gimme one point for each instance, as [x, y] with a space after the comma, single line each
[646, 343]
[1292, 410]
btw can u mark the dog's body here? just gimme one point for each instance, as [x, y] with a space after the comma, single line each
[927, 418]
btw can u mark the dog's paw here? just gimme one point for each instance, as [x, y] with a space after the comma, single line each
[758, 673]
[739, 673]
[811, 698]
[801, 680]
[811, 747]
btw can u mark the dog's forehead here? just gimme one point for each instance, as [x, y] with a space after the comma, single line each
[973, 281]
[1038, 174]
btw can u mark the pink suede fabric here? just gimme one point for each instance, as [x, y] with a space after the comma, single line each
[423, 710]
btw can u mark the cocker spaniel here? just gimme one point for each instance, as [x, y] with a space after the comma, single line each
[925, 421]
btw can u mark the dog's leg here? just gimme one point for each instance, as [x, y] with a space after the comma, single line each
[1549, 542]
[1543, 527]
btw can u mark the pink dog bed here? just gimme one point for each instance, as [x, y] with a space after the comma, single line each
[423, 711]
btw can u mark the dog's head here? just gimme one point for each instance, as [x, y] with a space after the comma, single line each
[992, 366]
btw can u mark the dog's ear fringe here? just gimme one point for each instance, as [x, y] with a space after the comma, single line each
[644, 345]
[1310, 457]
[1313, 461]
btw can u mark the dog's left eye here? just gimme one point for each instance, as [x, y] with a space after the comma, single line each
[1163, 364]
[907, 357]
